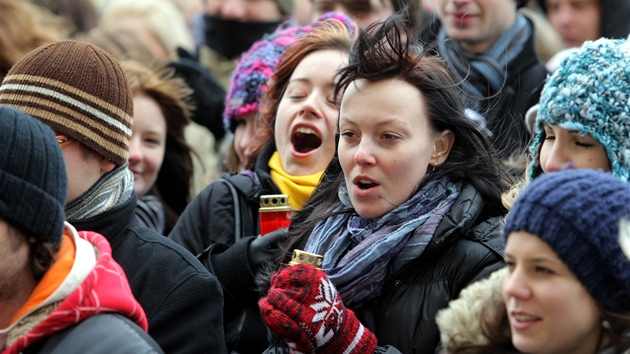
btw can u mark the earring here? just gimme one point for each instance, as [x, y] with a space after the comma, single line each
[606, 325]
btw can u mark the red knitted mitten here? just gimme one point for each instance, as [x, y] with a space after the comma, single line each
[304, 308]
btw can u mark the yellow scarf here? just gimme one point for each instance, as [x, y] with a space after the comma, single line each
[298, 188]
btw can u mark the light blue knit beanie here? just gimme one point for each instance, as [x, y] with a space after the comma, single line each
[590, 93]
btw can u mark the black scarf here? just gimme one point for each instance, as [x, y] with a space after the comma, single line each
[231, 38]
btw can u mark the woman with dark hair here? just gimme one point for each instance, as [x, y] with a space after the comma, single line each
[406, 216]
[295, 141]
[159, 156]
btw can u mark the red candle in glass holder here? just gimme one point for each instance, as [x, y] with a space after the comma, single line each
[274, 212]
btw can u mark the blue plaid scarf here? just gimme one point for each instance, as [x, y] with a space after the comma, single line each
[359, 253]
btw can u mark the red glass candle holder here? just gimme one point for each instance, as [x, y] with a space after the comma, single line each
[274, 212]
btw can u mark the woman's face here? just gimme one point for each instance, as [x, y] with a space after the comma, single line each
[306, 119]
[549, 310]
[386, 147]
[568, 149]
[575, 20]
[148, 143]
[244, 134]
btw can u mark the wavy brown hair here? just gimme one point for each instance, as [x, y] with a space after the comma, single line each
[173, 96]
[327, 34]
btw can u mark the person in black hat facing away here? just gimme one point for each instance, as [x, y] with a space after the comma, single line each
[60, 290]
[567, 282]
[81, 92]
[489, 47]
[231, 27]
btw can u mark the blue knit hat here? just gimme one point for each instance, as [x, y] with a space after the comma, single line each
[577, 213]
[256, 66]
[33, 183]
[590, 93]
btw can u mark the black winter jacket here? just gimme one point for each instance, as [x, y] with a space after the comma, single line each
[182, 300]
[207, 229]
[466, 247]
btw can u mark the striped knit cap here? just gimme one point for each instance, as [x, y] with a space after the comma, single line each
[590, 94]
[79, 90]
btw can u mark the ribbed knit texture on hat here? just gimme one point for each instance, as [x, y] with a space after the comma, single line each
[33, 184]
[577, 213]
[77, 89]
[590, 93]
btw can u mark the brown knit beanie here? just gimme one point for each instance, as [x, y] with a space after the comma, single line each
[77, 89]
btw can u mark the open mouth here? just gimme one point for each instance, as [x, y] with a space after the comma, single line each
[365, 184]
[305, 140]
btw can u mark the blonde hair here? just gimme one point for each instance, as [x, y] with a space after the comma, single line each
[161, 18]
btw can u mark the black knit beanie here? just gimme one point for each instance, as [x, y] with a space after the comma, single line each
[33, 183]
[577, 213]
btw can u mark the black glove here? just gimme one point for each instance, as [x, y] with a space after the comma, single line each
[264, 249]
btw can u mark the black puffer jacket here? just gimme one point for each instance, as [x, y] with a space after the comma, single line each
[466, 247]
[208, 228]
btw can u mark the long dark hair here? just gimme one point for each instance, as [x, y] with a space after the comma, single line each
[384, 51]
